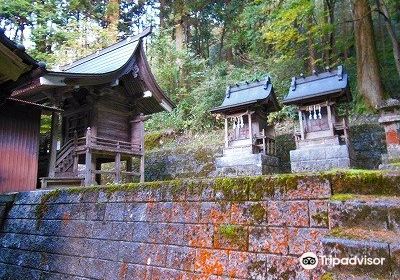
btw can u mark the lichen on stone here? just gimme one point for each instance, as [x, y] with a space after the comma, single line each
[257, 212]
[321, 217]
[42, 207]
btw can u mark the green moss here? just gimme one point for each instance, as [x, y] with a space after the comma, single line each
[152, 140]
[206, 169]
[342, 196]
[363, 182]
[258, 212]
[321, 217]
[340, 233]
[328, 276]
[202, 155]
[233, 234]
[42, 207]
[233, 189]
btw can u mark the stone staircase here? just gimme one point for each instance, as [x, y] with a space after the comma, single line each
[364, 226]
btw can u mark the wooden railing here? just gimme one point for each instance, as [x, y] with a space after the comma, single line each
[267, 144]
[100, 143]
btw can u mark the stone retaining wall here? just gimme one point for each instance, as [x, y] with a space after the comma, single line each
[241, 228]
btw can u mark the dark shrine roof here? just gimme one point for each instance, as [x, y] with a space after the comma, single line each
[122, 63]
[16, 66]
[332, 84]
[246, 94]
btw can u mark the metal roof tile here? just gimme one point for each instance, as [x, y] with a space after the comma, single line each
[247, 93]
[317, 86]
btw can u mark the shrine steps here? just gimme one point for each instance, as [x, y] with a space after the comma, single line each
[61, 182]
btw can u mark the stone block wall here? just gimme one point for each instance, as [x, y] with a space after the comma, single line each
[244, 228]
[181, 163]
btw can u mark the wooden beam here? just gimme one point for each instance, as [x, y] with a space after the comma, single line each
[301, 124]
[117, 178]
[88, 159]
[142, 169]
[226, 133]
[250, 128]
[330, 120]
[53, 145]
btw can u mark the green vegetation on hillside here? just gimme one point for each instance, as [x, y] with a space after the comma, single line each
[199, 47]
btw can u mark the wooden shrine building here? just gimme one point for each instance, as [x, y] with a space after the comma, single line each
[249, 139]
[19, 120]
[322, 140]
[105, 98]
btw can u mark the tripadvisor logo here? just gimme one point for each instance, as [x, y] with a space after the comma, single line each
[310, 260]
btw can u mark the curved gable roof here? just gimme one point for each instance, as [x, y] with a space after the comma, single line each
[105, 67]
[317, 87]
[249, 93]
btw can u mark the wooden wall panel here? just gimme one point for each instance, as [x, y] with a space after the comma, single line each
[112, 119]
[19, 147]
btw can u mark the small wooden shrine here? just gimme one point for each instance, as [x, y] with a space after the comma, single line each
[249, 139]
[322, 140]
[105, 98]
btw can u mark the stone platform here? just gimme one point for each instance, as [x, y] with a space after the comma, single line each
[238, 161]
[320, 158]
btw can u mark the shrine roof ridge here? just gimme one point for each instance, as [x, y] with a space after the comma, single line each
[329, 84]
[248, 93]
[106, 60]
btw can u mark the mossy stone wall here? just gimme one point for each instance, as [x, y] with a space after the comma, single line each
[228, 227]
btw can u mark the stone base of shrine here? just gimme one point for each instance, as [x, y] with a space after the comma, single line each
[241, 162]
[390, 162]
[320, 158]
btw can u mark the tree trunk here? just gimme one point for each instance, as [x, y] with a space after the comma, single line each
[329, 7]
[162, 15]
[391, 31]
[180, 34]
[112, 16]
[311, 49]
[368, 77]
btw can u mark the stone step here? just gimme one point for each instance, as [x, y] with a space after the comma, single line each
[239, 159]
[364, 211]
[232, 151]
[357, 242]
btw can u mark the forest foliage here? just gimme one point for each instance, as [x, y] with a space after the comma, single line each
[199, 47]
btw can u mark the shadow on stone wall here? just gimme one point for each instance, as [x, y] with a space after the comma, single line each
[368, 142]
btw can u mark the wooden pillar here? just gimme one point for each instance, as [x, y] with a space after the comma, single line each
[142, 169]
[250, 129]
[76, 156]
[117, 178]
[226, 133]
[55, 122]
[330, 119]
[301, 125]
[137, 140]
[88, 159]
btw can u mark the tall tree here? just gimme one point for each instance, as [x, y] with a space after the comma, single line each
[383, 10]
[368, 77]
